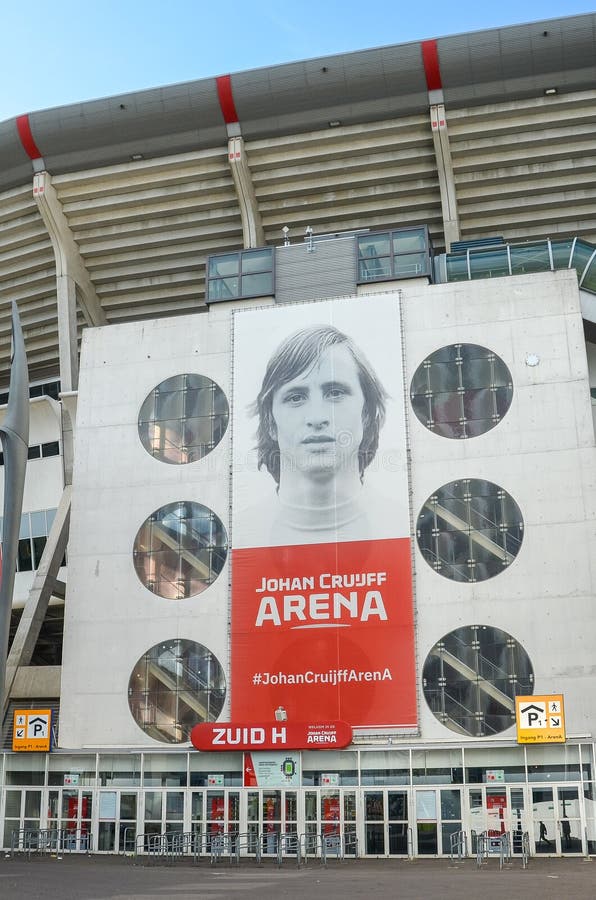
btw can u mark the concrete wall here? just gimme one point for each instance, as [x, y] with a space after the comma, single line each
[542, 453]
[111, 619]
[44, 480]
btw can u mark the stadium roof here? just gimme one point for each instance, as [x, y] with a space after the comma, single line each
[146, 192]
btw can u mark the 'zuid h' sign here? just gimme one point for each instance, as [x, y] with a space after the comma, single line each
[271, 736]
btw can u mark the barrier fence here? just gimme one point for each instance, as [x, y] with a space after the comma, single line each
[171, 846]
[50, 840]
[165, 848]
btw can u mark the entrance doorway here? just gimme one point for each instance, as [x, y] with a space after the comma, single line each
[557, 820]
[271, 813]
[386, 827]
[330, 818]
[213, 813]
[70, 812]
[495, 810]
[438, 817]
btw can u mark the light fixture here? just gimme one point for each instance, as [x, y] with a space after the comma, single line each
[136, 156]
[334, 123]
[549, 91]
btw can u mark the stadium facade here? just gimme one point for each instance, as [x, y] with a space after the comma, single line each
[312, 473]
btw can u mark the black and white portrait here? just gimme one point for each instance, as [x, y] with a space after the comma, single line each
[317, 453]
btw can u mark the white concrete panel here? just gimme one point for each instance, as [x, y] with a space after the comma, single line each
[542, 453]
[111, 617]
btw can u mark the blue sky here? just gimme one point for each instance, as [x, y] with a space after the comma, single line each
[70, 50]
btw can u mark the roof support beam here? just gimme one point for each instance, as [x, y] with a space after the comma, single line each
[45, 584]
[72, 279]
[252, 226]
[440, 133]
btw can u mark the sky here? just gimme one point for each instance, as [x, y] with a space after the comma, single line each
[67, 51]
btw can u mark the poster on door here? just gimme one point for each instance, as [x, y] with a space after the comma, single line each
[272, 770]
[496, 806]
[322, 621]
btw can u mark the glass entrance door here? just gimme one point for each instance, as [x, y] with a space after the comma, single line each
[569, 818]
[495, 810]
[330, 818]
[163, 813]
[557, 820]
[213, 813]
[22, 813]
[69, 813]
[117, 822]
[438, 817]
[386, 826]
[270, 814]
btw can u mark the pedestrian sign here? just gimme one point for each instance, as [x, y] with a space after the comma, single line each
[32, 730]
[540, 719]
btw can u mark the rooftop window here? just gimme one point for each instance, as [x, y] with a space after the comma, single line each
[234, 276]
[492, 260]
[387, 255]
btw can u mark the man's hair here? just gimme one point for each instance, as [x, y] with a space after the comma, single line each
[297, 354]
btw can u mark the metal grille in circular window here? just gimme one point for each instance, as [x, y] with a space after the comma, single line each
[471, 677]
[183, 419]
[461, 391]
[470, 530]
[180, 550]
[174, 686]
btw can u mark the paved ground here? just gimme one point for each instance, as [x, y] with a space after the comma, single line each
[115, 878]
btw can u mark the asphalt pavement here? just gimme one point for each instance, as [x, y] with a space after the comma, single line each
[119, 878]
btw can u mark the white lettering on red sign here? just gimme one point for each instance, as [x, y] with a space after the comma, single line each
[225, 737]
[317, 607]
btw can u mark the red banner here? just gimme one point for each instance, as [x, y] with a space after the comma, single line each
[271, 736]
[325, 632]
[322, 621]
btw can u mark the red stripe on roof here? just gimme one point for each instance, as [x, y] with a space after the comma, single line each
[27, 139]
[226, 99]
[432, 70]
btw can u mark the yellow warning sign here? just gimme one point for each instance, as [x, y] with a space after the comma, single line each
[540, 720]
[32, 730]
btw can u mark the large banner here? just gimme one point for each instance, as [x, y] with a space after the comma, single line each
[322, 625]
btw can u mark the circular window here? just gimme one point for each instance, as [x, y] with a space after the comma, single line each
[180, 550]
[174, 686]
[183, 419]
[470, 530]
[461, 391]
[471, 677]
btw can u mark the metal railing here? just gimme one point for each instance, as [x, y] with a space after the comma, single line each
[247, 844]
[50, 840]
[127, 840]
[501, 845]
[525, 849]
[319, 845]
[458, 845]
[172, 845]
[288, 844]
[518, 258]
[311, 844]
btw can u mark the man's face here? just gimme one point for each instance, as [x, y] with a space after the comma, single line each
[318, 416]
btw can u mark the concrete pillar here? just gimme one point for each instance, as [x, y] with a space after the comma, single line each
[440, 133]
[66, 295]
[252, 226]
